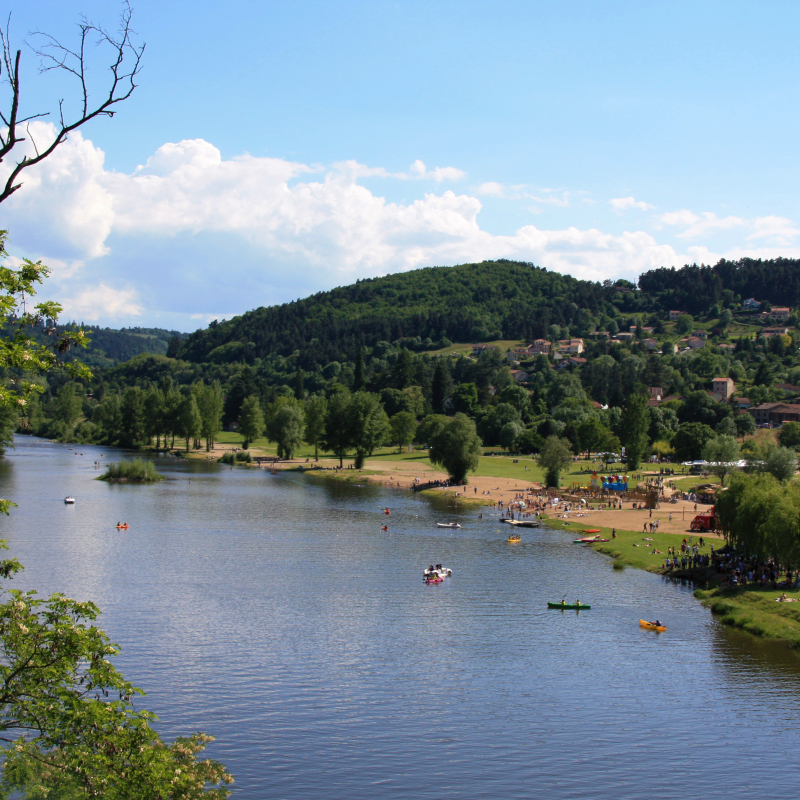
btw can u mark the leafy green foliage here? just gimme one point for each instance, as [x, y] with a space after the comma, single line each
[635, 424]
[285, 428]
[789, 435]
[457, 447]
[403, 427]
[760, 517]
[781, 462]
[316, 409]
[138, 470]
[690, 440]
[251, 421]
[493, 299]
[554, 457]
[71, 717]
[722, 453]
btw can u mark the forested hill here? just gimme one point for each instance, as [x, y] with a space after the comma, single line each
[108, 346]
[469, 302]
[695, 288]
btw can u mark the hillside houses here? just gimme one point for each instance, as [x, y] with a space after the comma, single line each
[722, 389]
[775, 413]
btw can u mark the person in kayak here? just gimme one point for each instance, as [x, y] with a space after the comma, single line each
[656, 623]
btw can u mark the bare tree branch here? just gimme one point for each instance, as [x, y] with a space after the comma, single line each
[126, 63]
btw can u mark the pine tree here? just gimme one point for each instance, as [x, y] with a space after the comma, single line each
[299, 393]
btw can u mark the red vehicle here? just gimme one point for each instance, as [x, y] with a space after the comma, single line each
[705, 521]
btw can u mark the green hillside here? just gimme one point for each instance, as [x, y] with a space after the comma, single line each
[471, 302]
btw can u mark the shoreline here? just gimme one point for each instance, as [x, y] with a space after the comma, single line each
[750, 609]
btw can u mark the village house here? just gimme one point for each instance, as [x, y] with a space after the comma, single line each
[632, 329]
[693, 342]
[767, 332]
[775, 413]
[519, 375]
[519, 354]
[742, 403]
[751, 304]
[570, 346]
[655, 395]
[673, 315]
[779, 313]
[701, 334]
[722, 389]
[478, 349]
[623, 336]
[540, 347]
[650, 344]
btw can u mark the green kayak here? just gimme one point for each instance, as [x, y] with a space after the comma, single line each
[568, 605]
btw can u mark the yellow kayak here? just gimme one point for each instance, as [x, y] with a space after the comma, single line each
[651, 626]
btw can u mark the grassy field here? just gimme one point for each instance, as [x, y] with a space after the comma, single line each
[751, 609]
[755, 611]
[466, 348]
[630, 548]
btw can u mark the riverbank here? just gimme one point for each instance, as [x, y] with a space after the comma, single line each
[754, 611]
[751, 609]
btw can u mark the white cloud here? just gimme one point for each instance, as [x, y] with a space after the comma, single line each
[699, 225]
[777, 230]
[552, 200]
[490, 189]
[681, 217]
[439, 174]
[101, 302]
[189, 232]
[620, 204]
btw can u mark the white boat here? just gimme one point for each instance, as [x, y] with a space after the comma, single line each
[69, 500]
[438, 572]
[447, 525]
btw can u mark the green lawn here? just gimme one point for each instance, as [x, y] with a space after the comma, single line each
[630, 547]
[466, 348]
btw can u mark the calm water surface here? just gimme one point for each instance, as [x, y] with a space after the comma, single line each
[273, 613]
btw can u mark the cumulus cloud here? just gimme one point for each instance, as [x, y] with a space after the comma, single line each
[101, 302]
[774, 230]
[620, 204]
[192, 232]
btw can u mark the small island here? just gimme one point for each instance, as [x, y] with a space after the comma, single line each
[136, 471]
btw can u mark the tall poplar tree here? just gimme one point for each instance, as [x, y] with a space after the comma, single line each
[359, 381]
[635, 423]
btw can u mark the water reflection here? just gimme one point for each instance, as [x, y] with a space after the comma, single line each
[273, 612]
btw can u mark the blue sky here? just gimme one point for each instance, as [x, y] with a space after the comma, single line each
[277, 149]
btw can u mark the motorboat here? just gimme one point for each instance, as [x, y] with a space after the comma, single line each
[69, 500]
[524, 523]
[447, 525]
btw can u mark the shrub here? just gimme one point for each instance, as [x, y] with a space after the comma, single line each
[244, 455]
[136, 471]
[228, 458]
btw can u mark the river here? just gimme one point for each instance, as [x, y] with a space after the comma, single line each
[272, 612]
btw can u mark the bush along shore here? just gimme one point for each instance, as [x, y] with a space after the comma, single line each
[137, 471]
